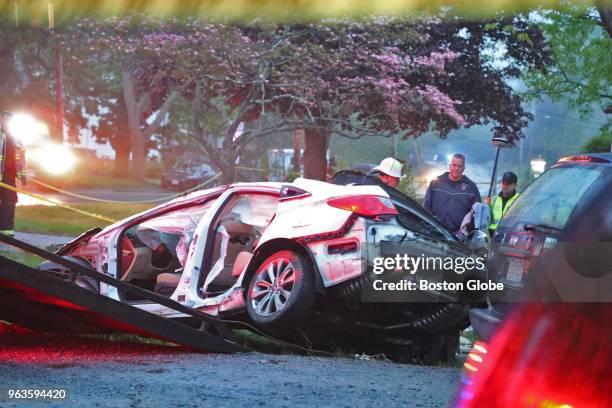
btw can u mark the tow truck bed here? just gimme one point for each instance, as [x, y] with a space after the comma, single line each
[37, 300]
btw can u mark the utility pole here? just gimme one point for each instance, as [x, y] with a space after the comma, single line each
[58, 135]
[16, 13]
[59, 93]
[297, 148]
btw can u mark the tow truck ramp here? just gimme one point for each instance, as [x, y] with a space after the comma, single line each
[44, 302]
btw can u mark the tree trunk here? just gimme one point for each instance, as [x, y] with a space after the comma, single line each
[122, 157]
[315, 149]
[229, 172]
[135, 134]
[605, 12]
[138, 156]
[297, 150]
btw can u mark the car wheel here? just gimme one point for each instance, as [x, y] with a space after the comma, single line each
[281, 291]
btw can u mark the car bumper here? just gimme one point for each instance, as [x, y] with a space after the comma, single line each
[485, 322]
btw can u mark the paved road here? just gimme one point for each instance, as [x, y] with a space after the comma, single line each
[38, 240]
[42, 240]
[97, 373]
[144, 193]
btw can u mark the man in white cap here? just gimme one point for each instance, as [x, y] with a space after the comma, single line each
[389, 171]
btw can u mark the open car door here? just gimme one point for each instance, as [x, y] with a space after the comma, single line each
[40, 301]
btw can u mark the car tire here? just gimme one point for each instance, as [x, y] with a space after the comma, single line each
[281, 291]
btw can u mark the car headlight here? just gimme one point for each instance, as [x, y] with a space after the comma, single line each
[54, 159]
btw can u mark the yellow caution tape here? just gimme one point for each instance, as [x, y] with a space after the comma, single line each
[18, 190]
[250, 168]
[101, 200]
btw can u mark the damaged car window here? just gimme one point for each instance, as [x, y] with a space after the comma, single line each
[239, 228]
[159, 245]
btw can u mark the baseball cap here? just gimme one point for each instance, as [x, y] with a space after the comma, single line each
[509, 177]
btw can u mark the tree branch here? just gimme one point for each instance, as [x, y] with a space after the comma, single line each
[161, 113]
[605, 12]
[196, 112]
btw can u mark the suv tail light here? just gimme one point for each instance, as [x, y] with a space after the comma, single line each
[583, 158]
[364, 205]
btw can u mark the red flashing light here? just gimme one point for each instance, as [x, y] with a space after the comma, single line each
[364, 205]
[583, 158]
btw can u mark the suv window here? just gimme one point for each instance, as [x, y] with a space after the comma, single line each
[551, 199]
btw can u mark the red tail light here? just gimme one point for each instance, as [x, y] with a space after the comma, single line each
[364, 205]
[583, 158]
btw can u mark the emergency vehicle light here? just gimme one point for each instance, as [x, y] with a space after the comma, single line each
[592, 159]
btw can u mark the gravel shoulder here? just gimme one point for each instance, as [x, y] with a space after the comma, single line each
[98, 373]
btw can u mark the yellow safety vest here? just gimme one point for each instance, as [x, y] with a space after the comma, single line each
[498, 211]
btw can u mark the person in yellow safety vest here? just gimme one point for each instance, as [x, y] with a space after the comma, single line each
[12, 165]
[503, 201]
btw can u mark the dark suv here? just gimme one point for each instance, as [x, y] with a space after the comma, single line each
[555, 243]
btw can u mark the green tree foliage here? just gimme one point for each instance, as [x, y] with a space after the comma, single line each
[599, 144]
[580, 72]
[27, 79]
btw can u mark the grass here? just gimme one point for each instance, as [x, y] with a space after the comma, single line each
[56, 220]
[470, 335]
[23, 258]
[255, 342]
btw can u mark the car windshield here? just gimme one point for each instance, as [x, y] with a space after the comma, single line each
[542, 203]
[192, 168]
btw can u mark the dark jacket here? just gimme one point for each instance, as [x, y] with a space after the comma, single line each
[12, 164]
[449, 201]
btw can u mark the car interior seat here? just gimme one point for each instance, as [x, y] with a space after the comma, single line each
[233, 237]
[167, 282]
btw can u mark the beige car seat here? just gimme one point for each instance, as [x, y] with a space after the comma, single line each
[233, 237]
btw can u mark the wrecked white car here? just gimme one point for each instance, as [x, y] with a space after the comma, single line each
[289, 258]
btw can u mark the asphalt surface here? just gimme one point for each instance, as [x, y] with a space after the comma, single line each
[42, 240]
[136, 194]
[96, 373]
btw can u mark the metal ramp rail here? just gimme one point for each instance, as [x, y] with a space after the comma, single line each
[40, 301]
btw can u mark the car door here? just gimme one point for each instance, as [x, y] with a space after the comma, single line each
[201, 257]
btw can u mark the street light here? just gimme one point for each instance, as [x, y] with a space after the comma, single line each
[538, 165]
[27, 129]
[499, 142]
